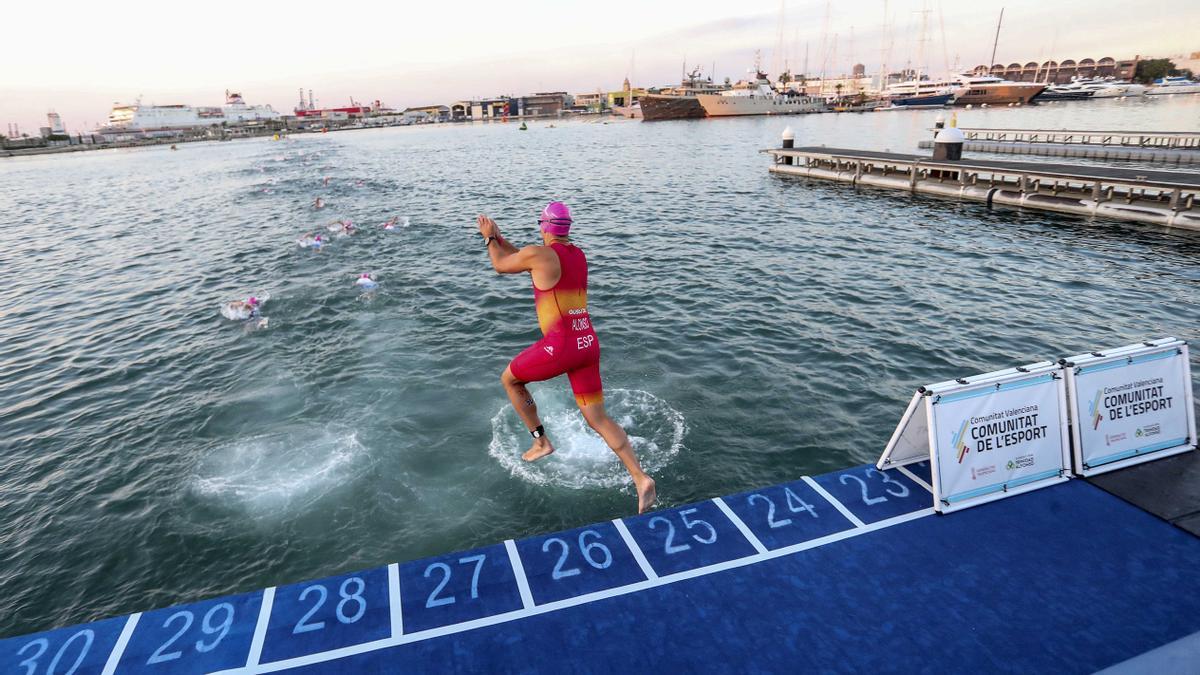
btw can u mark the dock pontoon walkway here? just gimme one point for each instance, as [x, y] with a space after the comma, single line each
[849, 572]
[1141, 195]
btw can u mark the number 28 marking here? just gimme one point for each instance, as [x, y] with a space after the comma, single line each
[887, 480]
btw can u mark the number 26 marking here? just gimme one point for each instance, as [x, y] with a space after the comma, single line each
[585, 547]
[887, 480]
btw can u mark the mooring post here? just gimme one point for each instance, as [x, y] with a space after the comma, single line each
[789, 142]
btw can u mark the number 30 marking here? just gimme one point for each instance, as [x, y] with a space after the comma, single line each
[42, 644]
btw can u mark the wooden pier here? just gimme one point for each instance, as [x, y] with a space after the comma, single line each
[1178, 147]
[1140, 195]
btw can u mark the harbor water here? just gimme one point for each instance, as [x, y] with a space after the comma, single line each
[754, 329]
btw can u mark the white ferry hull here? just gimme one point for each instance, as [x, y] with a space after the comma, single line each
[716, 105]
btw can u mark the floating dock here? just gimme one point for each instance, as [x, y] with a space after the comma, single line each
[1140, 195]
[848, 571]
[1178, 147]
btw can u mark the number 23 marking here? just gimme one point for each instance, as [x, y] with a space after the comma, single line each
[887, 480]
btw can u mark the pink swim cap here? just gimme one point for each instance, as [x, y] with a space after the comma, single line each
[556, 219]
[252, 301]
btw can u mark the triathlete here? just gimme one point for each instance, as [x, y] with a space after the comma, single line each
[569, 343]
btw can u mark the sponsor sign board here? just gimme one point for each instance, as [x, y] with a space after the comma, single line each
[1130, 404]
[988, 436]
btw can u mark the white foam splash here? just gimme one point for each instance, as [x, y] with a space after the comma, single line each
[581, 459]
[280, 473]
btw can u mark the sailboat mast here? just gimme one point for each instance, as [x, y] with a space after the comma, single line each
[995, 42]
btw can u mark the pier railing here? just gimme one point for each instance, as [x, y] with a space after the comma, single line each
[1177, 140]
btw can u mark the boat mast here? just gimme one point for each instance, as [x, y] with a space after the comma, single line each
[995, 42]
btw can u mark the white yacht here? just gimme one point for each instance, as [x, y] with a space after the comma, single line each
[757, 98]
[1116, 88]
[1173, 85]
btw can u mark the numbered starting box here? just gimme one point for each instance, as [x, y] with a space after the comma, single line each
[986, 437]
[1130, 405]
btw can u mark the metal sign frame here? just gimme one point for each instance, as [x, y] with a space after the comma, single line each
[924, 404]
[1074, 366]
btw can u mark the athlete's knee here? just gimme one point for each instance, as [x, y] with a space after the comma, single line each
[594, 415]
[508, 379]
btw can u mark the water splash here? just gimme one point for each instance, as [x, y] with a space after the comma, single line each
[280, 473]
[581, 459]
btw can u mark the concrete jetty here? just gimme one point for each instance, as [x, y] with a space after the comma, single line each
[1139, 195]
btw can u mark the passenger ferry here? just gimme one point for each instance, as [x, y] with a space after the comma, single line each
[157, 118]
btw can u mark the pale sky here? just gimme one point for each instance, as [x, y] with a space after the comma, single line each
[78, 58]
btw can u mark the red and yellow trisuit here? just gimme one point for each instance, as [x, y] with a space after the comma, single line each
[569, 344]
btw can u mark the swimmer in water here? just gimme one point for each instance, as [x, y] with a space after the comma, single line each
[569, 344]
[366, 281]
[318, 203]
[309, 240]
[242, 310]
[391, 223]
[341, 228]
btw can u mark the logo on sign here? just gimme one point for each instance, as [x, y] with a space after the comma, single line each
[959, 442]
[980, 472]
[1149, 430]
[1094, 409]
[1022, 462]
[1109, 439]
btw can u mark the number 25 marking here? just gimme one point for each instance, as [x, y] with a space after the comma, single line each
[887, 480]
[689, 524]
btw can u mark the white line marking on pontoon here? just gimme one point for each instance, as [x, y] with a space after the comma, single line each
[114, 658]
[557, 605]
[394, 599]
[635, 550]
[260, 629]
[737, 522]
[836, 504]
[514, 559]
[916, 479]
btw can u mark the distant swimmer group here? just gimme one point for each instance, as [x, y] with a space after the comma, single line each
[569, 344]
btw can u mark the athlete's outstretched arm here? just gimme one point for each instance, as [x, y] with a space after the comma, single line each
[506, 258]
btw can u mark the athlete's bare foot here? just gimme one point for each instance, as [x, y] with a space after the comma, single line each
[646, 494]
[540, 448]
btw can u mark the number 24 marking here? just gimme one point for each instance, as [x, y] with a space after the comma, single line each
[794, 503]
[887, 480]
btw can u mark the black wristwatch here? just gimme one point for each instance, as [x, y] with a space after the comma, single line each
[489, 240]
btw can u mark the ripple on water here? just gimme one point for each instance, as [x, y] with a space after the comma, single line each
[581, 460]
